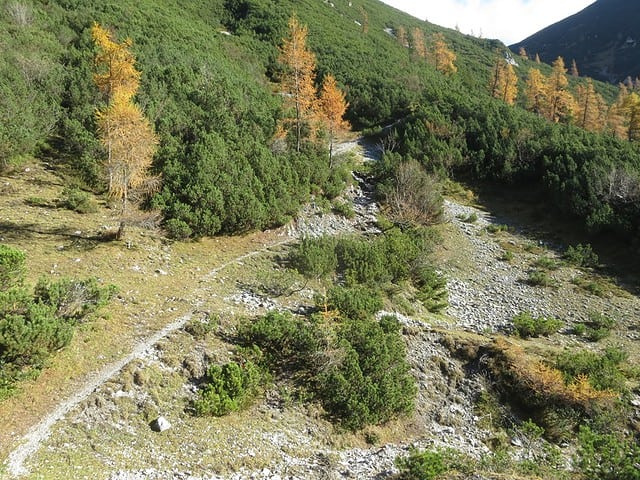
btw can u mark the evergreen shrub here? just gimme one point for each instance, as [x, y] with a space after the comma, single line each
[371, 383]
[12, 266]
[228, 388]
[426, 465]
[358, 301]
[527, 325]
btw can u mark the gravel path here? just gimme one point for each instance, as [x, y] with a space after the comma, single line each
[41, 431]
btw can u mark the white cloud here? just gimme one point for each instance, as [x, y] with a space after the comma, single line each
[507, 20]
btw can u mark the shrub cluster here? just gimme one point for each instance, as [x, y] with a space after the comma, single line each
[545, 390]
[371, 383]
[73, 198]
[527, 325]
[539, 278]
[359, 301]
[581, 255]
[286, 342]
[601, 369]
[596, 328]
[606, 456]
[425, 465]
[356, 367]
[228, 388]
[35, 324]
[393, 257]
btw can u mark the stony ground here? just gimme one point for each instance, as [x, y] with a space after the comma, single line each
[103, 430]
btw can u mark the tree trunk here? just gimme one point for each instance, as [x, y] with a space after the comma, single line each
[121, 228]
[331, 153]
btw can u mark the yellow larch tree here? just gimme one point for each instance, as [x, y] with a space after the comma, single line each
[440, 56]
[559, 103]
[523, 52]
[504, 81]
[616, 115]
[418, 42]
[332, 107]
[591, 108]
[574, 68]
[401, 35]
[510, 87]
[365, 20]
[535, 91]
[115, 65]
[125, 132]
[631, 107]
[299, 78]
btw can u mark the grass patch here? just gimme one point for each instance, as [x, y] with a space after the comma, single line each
[344, 209]
[597, 328]
[539, 278]
[498, 228]
[547, 263]
[596, 285]
[469, 218]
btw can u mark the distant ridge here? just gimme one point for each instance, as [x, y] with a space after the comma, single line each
[604, 40]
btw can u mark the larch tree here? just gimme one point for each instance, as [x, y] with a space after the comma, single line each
[537, 59]
[535, 91]
[115, 65]
[510, 87]
[418, 43]
[559, 103]
[523, 52]
[616, 115]
[591, 112]
[440, 56]
[401, 35]
[365, 20]
[504, 81]
[631, 108]
[574, 68]
[299, 77]
[125, 132]
[332, 107]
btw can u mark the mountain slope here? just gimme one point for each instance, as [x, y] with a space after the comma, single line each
[603, 39]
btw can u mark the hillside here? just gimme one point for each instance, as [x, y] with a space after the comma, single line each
[602, 39]
[448, 290]
[89, 413]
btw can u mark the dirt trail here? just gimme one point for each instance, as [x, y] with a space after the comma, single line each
[41, 430]
[38, 433]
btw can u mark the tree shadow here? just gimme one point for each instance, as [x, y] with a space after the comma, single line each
[28, 231]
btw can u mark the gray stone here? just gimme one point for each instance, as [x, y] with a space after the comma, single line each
[160, 424]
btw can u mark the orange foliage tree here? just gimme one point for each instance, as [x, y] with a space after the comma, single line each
[559, 103]
[418, 43]
[504, 81]
[535, 91]
[299, 77]
[574, 68]
[332, 107]
[125, 132]
[440, 56]
[591, 108]
[401, 35]
[631, 108]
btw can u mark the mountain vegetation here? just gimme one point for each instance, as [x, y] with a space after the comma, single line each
[224, 120]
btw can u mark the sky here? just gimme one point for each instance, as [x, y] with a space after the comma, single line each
[506, 20]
